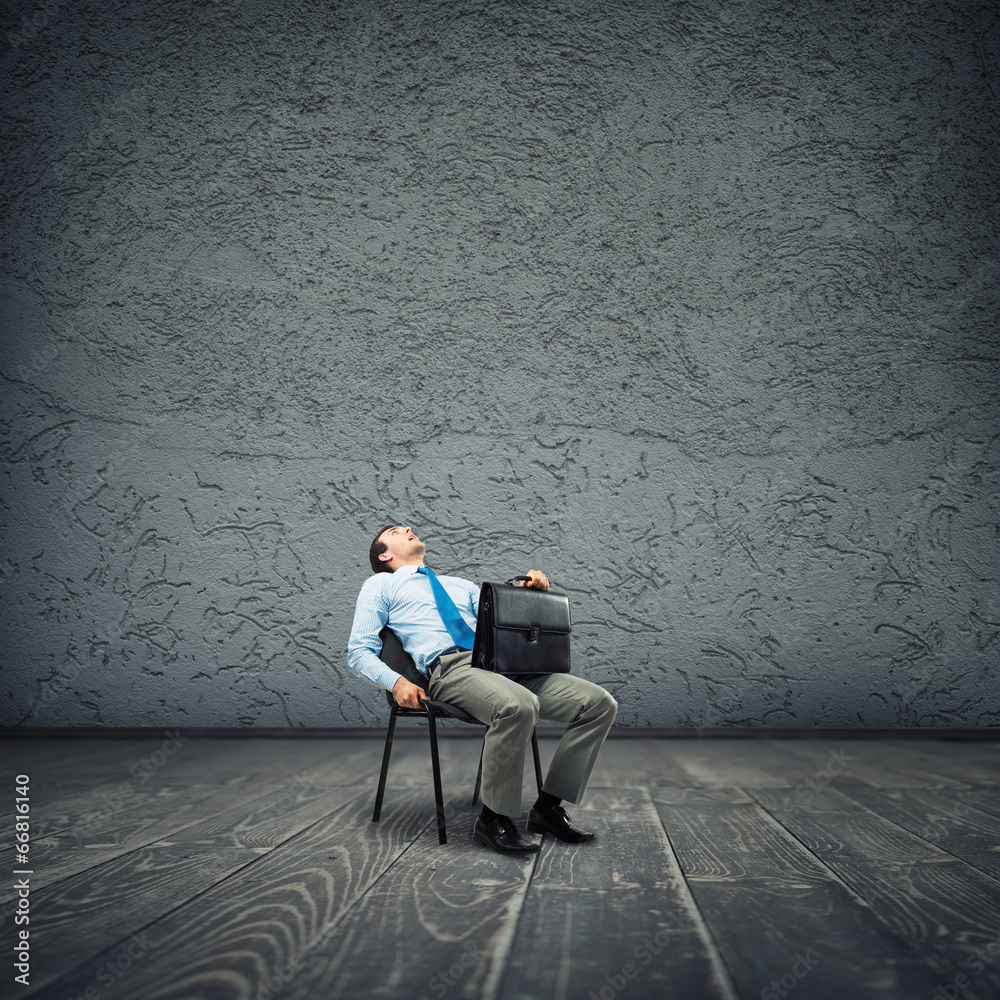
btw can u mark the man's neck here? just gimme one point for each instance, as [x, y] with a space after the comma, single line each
[410, 562]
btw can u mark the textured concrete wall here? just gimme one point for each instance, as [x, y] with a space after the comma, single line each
[692, 305]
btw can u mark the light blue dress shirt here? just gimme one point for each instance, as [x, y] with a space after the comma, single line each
[404, 601]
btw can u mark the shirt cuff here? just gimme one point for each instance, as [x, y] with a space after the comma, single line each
[386, 678]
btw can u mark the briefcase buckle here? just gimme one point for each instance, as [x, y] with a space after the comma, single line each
[533, 634]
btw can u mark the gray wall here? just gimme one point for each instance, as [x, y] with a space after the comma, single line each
[692, 305]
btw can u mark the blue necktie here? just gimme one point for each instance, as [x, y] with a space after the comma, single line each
[460, 633]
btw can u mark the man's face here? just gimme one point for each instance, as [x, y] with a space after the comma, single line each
[401, 544]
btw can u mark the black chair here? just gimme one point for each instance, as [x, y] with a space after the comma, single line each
[394, 656]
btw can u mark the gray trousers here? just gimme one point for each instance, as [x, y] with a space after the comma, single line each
[510, 709]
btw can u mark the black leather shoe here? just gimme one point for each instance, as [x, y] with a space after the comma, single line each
[502, 836]
[556, 822]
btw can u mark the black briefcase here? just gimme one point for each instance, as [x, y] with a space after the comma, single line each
[521, 630]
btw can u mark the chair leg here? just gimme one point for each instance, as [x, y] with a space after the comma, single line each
[436, 767]
[385, 765]
[479, 774]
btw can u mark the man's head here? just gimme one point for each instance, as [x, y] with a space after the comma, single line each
[394, 546]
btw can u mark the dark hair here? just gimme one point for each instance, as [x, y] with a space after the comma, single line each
[377, 549]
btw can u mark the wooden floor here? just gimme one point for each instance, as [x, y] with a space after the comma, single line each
[751, 868]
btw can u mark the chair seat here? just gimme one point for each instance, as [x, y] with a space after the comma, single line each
[441, 709]
[395, 656]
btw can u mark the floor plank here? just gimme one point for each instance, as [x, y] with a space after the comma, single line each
[437, 919]
[118, 769]
[195, 858]
[987, 799]
[945, 909]
[109, 830]
[88, 914]
[262, 921]
[246, 868]
[973, 764]
[723, 763]
[870, 761]
[641, 761]
[778, 915]
[614, 914]
[947, 818]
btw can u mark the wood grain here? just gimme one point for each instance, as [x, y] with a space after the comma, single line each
[948, 818]
[613, 914]
[196, 857]
[647, 760]
[262, 921]
[723, 763]
[252, 868]
[438, 918]
[862, 760]
[947, 910]
[978, 763]
[778, 915]
[102, 826]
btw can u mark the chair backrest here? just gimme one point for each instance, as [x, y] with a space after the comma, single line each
[396, 658]
[393, 655]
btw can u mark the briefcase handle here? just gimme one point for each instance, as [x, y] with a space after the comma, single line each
[513, 580]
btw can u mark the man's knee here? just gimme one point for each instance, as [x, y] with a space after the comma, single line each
[531, 706]
[607, 707]
[523, 707]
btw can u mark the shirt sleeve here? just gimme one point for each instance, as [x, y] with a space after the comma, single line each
[371, 614]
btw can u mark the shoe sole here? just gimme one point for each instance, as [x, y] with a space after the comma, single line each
[483, 842]
[538, 828]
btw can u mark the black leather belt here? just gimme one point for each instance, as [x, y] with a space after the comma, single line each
[432, 666]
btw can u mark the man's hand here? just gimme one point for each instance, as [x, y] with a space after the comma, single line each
[408, 695]
[537, 579]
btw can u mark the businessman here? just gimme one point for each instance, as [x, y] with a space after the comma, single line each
[435, 619]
